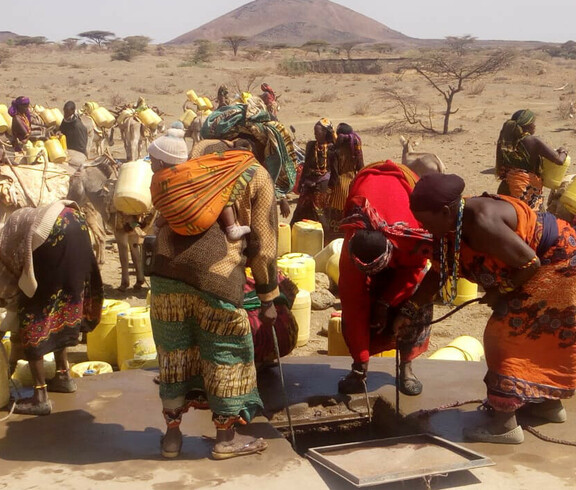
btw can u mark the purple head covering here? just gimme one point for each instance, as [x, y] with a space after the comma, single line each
[17, 102]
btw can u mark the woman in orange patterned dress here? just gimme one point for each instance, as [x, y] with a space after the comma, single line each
[522, 259]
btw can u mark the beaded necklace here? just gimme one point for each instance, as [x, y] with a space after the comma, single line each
[449, 297]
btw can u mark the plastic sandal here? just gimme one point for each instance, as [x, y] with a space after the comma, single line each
[170, 454]
[61, 385]
[551, 414]
[27, 406]
[481, 434]
[230, 451]
[410, 386]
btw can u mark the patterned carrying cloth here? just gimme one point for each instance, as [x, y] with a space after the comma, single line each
[204, 344]
[530, 339]
[192, 195]
[241, 120]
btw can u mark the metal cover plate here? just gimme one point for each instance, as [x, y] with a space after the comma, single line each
[380, 461]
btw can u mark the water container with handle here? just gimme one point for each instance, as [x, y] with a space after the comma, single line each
[101, 343]
[463, 348]
[322, 257]
[132, 192]
[55, 151]
[188, 117]
[149, 118]
[465, 291]
[552, 174]
[58, 116]
[3, 124]
[336, 343]
[307, 237]
[192, 97]
[302, 309]
[7, 117]
[300, 268]
[284, 239]
[103, 118]
[134, 335]
[568, 198]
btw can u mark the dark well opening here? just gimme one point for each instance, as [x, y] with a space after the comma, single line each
[385, 423]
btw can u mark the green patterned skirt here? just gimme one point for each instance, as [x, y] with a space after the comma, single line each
[205, 344]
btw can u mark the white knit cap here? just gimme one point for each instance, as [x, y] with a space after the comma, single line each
[170, 148]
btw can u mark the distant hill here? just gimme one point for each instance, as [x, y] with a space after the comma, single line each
[5, 35]
[294, 22]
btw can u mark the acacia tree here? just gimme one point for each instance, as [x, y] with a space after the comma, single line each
[315, 45]
[447, 73]
[129, 47]
[349, 46]
[97, 37]
[235, 42]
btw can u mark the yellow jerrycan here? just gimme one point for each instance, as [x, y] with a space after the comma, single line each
[55, 151]
[187, 117]
[101, 343]
[192, 97]
[103, 117]
[336, 343]
[3, 124]
[134, 335]
[300, 268]
[284, 239]
[552, 174]
[463, 348]
[149, 118]
[465, 291]
[7, 117]
[302, 309]
[322, 257]
[307, 237]
[132, 192]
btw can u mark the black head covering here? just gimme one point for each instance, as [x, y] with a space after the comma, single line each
[434, 191]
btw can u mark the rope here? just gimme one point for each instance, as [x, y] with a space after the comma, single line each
[455, 310]
[546, 438]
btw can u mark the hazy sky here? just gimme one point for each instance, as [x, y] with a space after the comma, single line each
[540, 20]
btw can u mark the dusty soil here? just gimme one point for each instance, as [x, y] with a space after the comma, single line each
[50, 76]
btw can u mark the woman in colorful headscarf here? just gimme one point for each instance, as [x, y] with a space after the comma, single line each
[519, 157]
[523, 259]
[316, 175]
[347, 162]
[21, 121]
[270, 100]
[384, 259]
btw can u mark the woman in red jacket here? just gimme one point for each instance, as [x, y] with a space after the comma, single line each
[384, 259]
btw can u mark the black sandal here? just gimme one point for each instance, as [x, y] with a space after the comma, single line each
[410, 386]
[27, 406]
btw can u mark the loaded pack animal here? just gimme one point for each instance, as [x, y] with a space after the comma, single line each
[420, 163]
[135, 136]
[92, 187]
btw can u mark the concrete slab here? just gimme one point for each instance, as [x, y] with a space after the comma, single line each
[107, 434]
[532, 465]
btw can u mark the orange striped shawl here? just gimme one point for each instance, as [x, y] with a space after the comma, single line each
[192, 195]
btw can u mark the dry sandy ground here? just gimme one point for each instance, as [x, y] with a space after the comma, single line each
[50, 76]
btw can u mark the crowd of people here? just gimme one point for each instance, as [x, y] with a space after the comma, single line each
[212, 317]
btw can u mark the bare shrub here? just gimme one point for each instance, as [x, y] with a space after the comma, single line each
[116, 99]
[362, 109]
[325, 97]
[476, 88]
[565, 109]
